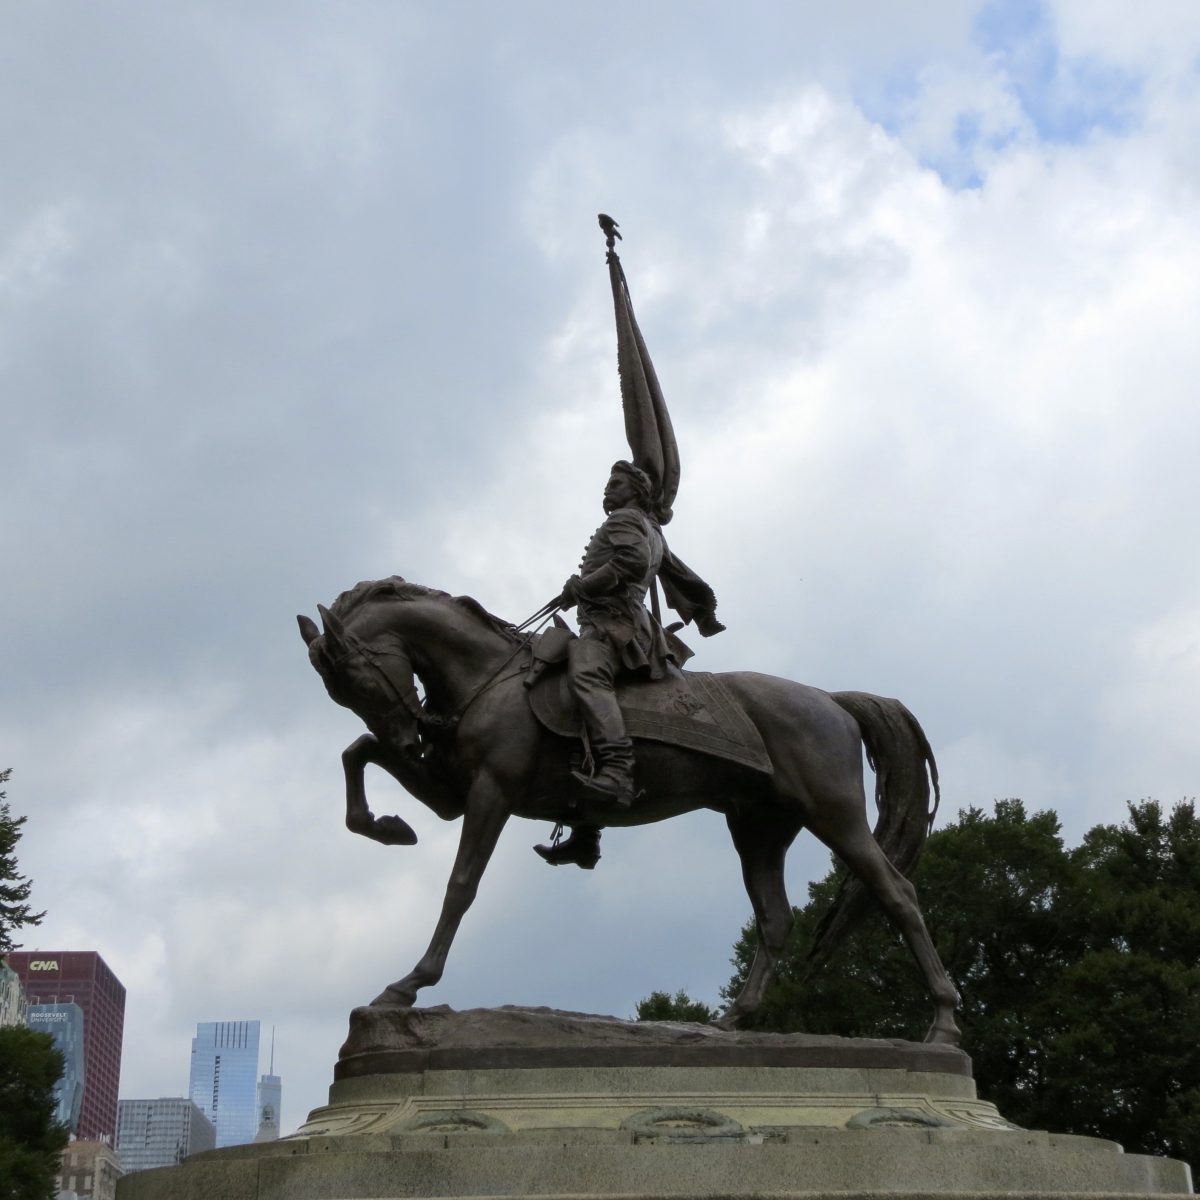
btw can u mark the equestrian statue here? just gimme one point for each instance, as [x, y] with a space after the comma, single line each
[606, 727]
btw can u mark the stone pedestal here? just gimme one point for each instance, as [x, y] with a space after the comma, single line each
[519, 1102]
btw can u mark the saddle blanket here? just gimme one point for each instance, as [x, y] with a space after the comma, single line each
[693, 709]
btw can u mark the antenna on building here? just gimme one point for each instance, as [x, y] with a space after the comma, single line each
[272, 1049]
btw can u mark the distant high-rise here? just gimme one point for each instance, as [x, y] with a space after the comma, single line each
[64, 1023]
[270, 1099]
[13, 1001]
[161, 1133]
[270, 1096]
[223, 1077]
[82, 977]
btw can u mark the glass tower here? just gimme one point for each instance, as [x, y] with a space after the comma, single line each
[224, 1077]
[64, 1023]
[14, 1003]
[270, 1097]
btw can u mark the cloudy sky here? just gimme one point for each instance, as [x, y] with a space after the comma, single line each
[294, 295]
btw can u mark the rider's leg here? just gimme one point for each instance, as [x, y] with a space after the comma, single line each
[592, 668]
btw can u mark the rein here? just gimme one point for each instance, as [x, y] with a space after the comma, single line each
[405, 697]
[542, 615]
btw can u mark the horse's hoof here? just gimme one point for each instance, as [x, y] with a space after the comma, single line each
[394, 997]
[394, 831]
[388, 831]
[939, 1035]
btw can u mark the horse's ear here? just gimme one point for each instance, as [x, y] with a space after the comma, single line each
[334, 630]
[308, 629]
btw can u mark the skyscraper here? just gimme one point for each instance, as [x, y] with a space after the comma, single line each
[13, 1002]
[161, 1133]
[223, 1076]
[270, 1096]
[270, 1099]
[64, 1023]
[82, 977]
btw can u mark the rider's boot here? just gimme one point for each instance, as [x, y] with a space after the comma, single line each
[581, 849]
[613, 776]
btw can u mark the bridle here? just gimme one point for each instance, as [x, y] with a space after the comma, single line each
[404, 697]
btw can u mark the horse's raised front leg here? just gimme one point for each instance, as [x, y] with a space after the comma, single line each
[762, 845]
[391, 831]
[485, 816]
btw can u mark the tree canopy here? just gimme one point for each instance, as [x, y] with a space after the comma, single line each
[662, 1006]
[31, 1142]
[15, 912]
[1079, 970]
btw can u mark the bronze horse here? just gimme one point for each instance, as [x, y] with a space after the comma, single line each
[473, 749]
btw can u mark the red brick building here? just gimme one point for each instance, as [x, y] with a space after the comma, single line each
[83, 977]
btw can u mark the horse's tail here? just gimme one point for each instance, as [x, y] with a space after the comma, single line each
[900, 755]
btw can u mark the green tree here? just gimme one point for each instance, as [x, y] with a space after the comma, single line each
[31, 1143]
[662, 1006]
[1121, 1041]
[1077, 968]
[14, 888]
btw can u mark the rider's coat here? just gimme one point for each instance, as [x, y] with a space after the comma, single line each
[619, 564]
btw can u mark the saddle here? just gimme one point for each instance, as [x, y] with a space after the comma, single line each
[692, 709]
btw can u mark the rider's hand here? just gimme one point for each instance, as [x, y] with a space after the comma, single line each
[570, 593]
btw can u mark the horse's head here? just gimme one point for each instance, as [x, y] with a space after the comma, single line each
[371, 676]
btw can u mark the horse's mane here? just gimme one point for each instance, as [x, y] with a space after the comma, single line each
[397, 588]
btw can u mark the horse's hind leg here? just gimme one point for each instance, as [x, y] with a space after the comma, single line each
[861, 853]
[762, 844]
